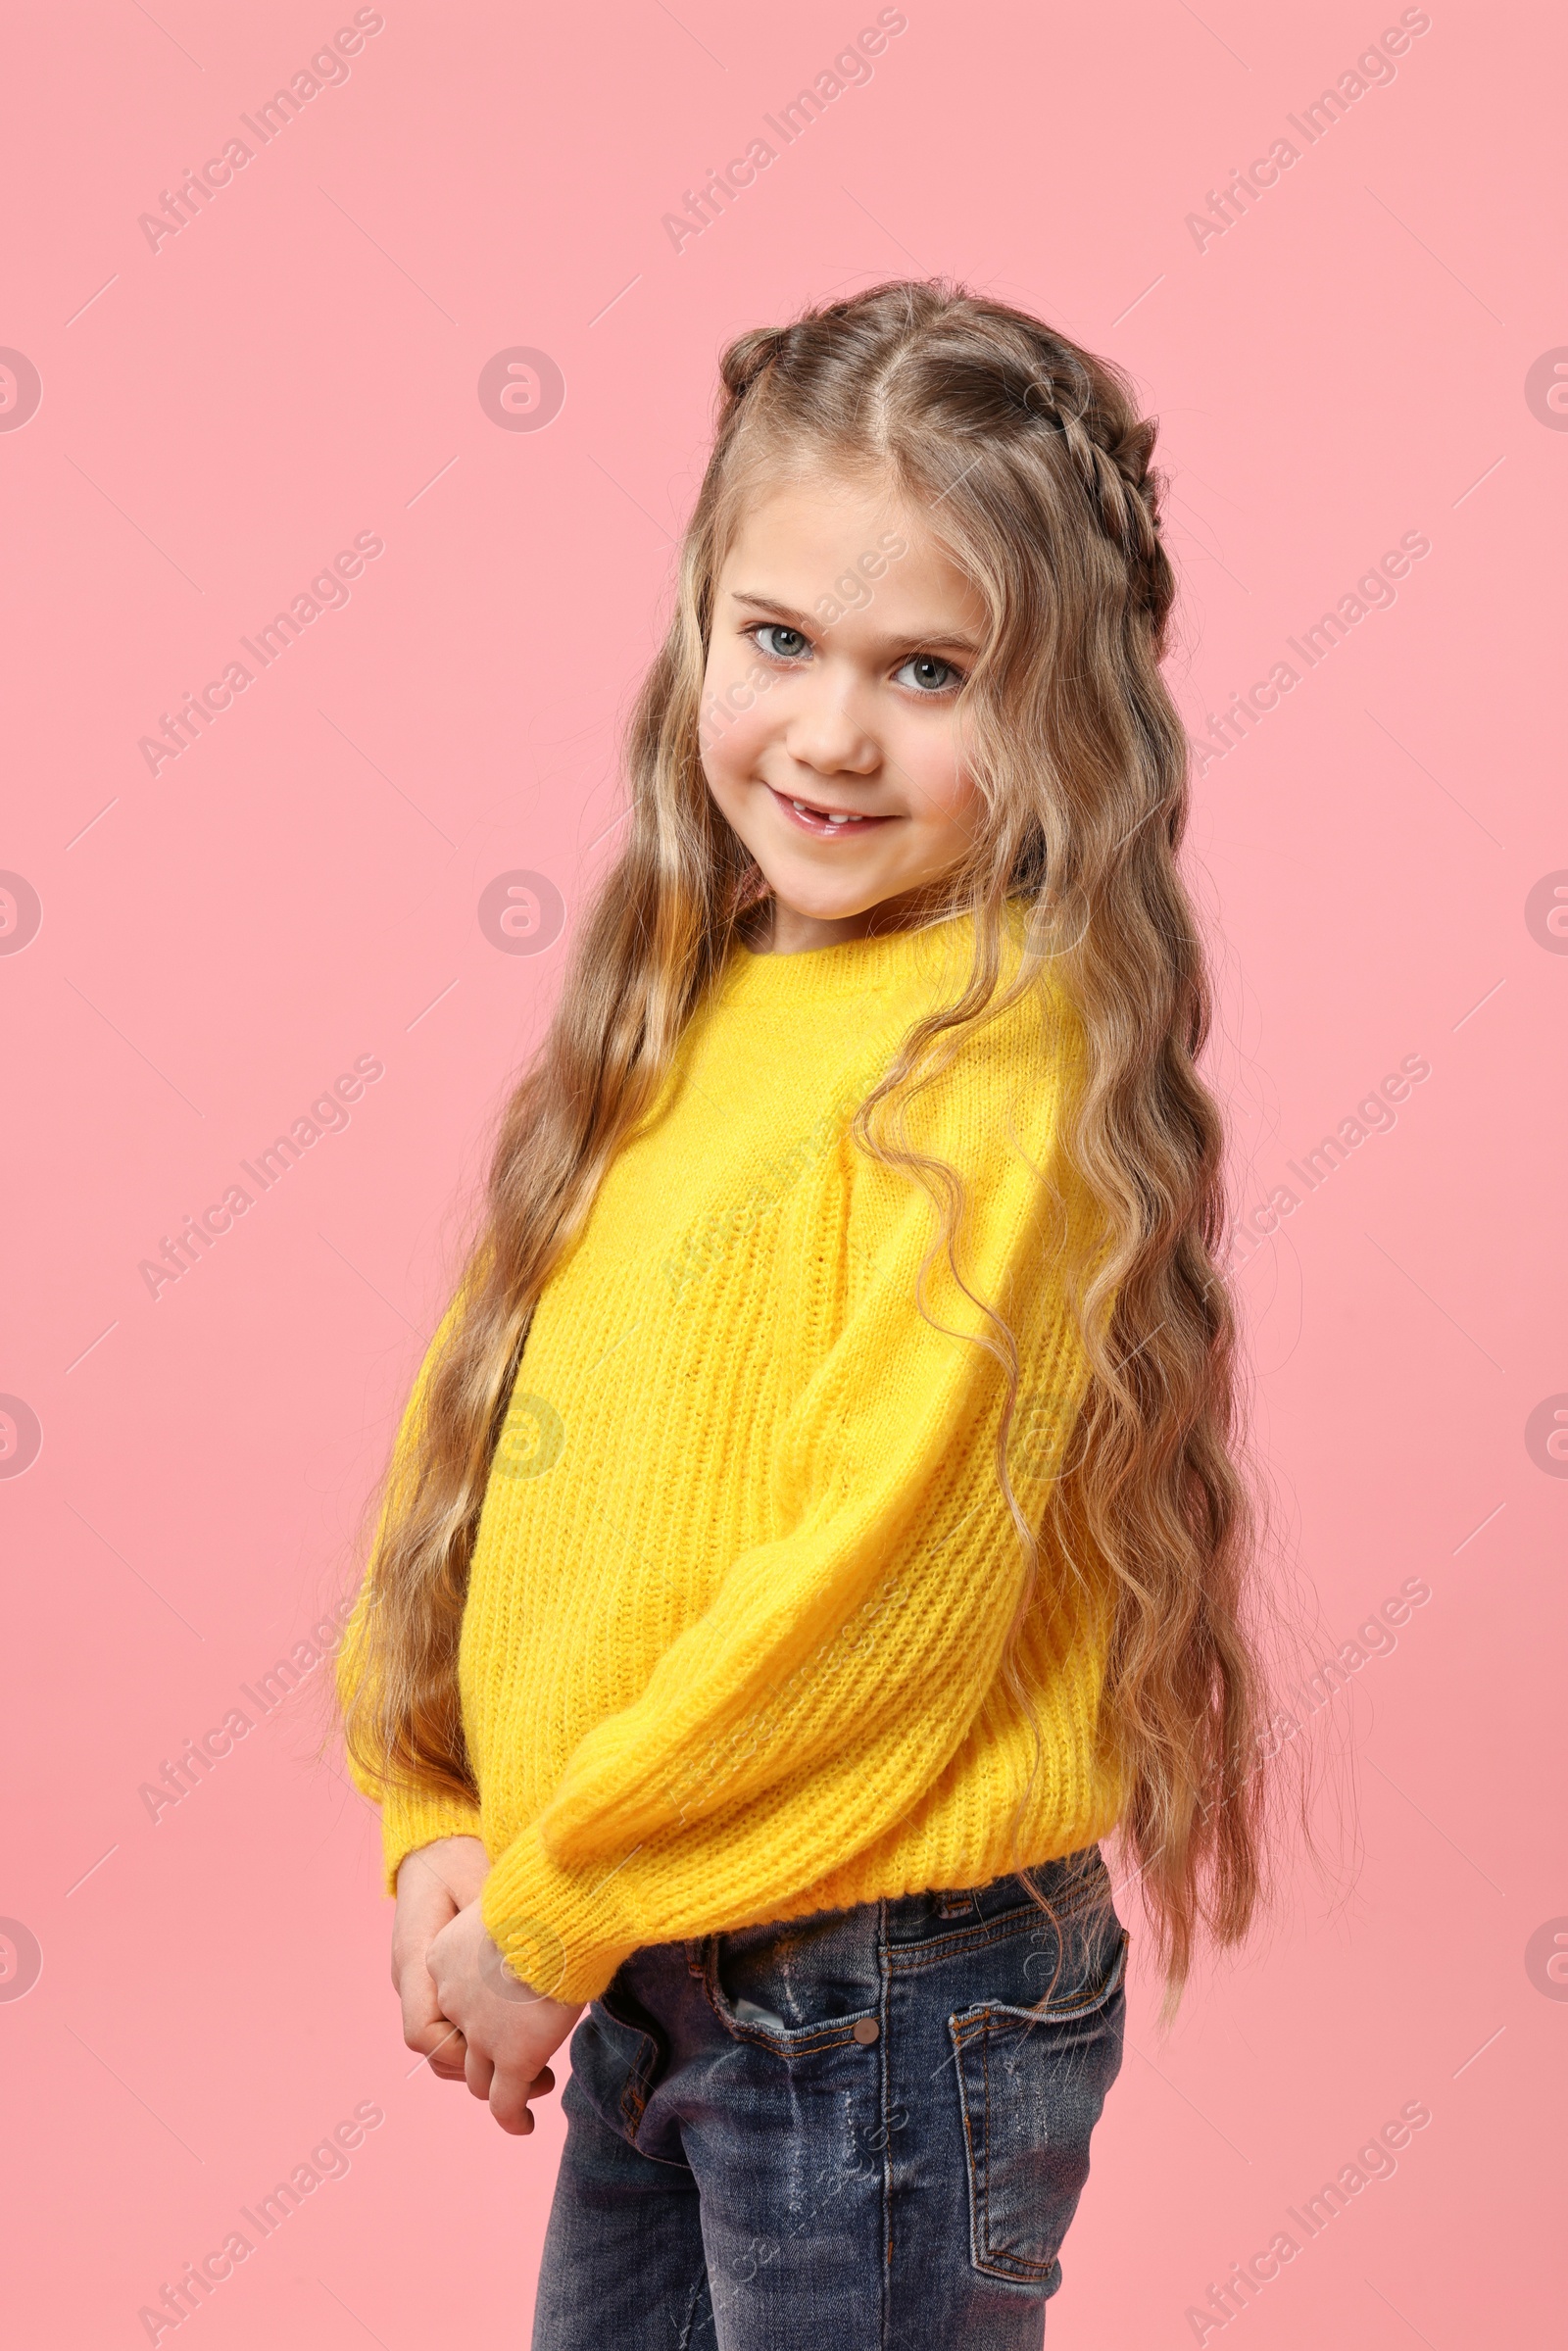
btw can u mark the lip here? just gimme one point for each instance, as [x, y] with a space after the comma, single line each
[818, 826]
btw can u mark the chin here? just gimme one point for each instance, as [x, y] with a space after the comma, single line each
[823, 904]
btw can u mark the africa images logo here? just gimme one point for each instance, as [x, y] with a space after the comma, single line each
[521, 913]
[20, 390]
[1546, 1959]
[521, 389]
[1545, 388]
[20, 914]
[20, 1960]
[20, 1436]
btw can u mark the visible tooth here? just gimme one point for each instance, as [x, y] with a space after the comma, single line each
[804, 807]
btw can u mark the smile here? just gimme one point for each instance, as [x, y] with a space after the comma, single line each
[827, 824]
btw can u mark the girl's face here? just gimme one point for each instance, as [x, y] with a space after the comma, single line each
[830, 740]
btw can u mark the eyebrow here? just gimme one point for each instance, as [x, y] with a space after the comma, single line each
[808, 623]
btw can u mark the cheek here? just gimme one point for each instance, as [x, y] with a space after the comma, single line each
[933, 756]
[732, 687]
[733, 740]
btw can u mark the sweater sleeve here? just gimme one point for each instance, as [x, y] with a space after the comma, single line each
[840, 1665]
[411, 1816]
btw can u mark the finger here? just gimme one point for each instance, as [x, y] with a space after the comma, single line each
[449, 2063]
[423, 2025]
[478, 2072]
[435, 2032]
[509, 2103]
[419, 2002]
[543, 2081]
[443, 2049]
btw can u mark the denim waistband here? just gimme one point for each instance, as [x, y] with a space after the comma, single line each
[1067, 1884]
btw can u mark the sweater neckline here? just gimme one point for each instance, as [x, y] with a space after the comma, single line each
[849, 968]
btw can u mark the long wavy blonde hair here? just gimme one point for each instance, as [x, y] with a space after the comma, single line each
[1030, 461]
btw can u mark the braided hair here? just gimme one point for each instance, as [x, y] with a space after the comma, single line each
[941, 355]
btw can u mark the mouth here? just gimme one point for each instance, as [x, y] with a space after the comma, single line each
[826, 823]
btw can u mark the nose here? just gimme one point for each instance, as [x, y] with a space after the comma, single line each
[827, 733]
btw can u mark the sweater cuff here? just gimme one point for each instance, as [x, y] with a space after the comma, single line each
[560, 1930]
[414, 1817]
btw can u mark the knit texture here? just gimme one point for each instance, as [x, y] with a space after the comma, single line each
[739, 1594]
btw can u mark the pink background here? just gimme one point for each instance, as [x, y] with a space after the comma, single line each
[1346, 364]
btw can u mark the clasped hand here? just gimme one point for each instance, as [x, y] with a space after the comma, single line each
[461, 2010]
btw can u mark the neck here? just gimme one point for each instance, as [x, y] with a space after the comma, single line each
[785, 931]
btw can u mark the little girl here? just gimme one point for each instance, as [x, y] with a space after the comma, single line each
[818, 1522]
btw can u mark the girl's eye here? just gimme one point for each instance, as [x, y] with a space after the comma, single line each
[788, 645]
[928, 675]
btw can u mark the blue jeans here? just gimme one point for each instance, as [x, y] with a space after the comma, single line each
[862, 2130]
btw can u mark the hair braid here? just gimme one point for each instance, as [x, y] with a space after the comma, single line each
[1110, 459]
[749, 355]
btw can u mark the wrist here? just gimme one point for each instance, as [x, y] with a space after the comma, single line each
[459, 1862]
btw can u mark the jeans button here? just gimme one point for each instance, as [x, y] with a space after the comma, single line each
[865, 2030]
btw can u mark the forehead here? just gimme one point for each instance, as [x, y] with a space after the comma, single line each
[793, 538]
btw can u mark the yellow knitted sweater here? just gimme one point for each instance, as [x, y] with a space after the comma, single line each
[732, 1641]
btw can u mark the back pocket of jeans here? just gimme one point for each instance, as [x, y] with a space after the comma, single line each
[1032, 2082]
